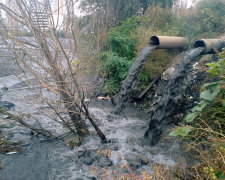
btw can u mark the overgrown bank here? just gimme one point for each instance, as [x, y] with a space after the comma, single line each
[203, 129]
[204, 137]
[125, 41]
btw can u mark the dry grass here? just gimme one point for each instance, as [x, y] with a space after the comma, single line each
[122, 171]
[160, 59]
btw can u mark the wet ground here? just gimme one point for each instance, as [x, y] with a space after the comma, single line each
[52, 159]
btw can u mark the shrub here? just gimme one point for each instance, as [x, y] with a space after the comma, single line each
[120, 38]
[119, 54]
[114, 68]
[127, 39]
[156, 17]
[122, 44]
[206, 130]
[212, 15]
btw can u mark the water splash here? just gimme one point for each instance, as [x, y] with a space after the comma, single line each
[174, 91]
[133, 73]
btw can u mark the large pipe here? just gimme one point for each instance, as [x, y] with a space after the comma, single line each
[210, 45]
[168, 42]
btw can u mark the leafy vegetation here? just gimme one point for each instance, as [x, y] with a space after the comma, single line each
[114, 10]
[115, 69]
[119, 54]
[126, 40]
[208, 96]
[206, 127]
[121, 40]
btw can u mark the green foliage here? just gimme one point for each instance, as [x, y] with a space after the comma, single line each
[121, 44]
[120, 39]
[127, 26]
[211, 15]
[210, 22]
[143, 77]
[130, 36]
[111, 87]
[119, 54]
[210, 91]
[187, 26]
[218, 68]
[207, 97]
[158, 18]
[217, 6]
[181, 131]
[206, 20]
[162, 3]
[115, 65]
[115, 69]
[113, 10]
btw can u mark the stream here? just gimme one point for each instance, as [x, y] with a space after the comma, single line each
[43, 159]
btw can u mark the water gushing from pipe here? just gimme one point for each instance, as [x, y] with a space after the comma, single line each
[174, 91]
[133, 73]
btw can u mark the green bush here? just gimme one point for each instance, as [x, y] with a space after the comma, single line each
[157, 17]
[119, 54]
[121, 40]
[115, 69]
[206, 20]
[122, 44]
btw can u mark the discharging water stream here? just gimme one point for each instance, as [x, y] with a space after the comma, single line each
[53, 160]
[130, 81]
[171, 98]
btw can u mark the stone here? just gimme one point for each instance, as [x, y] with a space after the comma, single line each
[6, 135]
[73, 142]
[4, 89]
[88, 157]
[167, 74]
[7, 105]
[6, 125]
[103, 162]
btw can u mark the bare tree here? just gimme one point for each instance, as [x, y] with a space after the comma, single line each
[49, 58]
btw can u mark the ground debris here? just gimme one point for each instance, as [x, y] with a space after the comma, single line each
[7, 105]
[73, 142]
[10, 147]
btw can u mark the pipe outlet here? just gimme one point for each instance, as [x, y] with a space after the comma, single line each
[211, 45]
[168, 42]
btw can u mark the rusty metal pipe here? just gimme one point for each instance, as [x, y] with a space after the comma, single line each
[168, 42]
[211, 45]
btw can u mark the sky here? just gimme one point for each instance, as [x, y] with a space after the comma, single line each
[78, 13]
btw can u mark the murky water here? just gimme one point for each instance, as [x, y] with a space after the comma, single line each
[171, 98]
[133, 73]
[53, 160]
